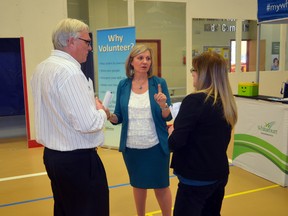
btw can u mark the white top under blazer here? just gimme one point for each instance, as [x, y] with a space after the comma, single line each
[141, 128]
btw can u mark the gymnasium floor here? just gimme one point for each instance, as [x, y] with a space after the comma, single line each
[25, 187]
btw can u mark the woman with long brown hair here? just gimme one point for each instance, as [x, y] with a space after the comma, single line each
[200, 136]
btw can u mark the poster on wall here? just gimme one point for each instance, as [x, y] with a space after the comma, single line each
[274, 62]
[275, 55]
[221, 50]
[113, 47]
[272, 10]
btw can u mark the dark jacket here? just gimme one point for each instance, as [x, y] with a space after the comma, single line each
[200, 139]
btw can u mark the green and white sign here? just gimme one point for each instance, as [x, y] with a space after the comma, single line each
[261, 140]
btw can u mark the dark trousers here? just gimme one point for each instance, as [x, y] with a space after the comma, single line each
[199, 200]
[78, 181]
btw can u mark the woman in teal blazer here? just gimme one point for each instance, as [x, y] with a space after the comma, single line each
[142, 107]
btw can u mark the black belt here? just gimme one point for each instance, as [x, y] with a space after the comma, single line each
[76, 150]
[85, 150]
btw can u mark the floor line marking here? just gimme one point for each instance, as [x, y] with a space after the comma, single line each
[227, 196]
[49, 197]
[251, 191]
[33, 175]
[116, 186]
[23, 176]
[25, 201]
[45, 173]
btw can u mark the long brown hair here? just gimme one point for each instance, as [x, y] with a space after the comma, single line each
[213, 81]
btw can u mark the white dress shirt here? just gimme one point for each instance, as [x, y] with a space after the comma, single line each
[66, 117]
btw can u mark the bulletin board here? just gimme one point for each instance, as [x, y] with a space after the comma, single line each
[222, 50]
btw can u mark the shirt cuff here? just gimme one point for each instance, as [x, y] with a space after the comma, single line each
[103, 113]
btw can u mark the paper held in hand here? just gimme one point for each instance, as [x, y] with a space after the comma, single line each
[174, 109]
[107, 99]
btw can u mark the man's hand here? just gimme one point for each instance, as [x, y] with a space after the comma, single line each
[99, 106]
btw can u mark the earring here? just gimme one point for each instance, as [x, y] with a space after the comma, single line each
[131, 72]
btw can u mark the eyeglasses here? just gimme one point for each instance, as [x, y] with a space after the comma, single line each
[88, 42]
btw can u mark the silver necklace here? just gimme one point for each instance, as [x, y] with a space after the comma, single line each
[141, 85]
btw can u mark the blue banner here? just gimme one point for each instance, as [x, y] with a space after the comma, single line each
[113, 46]
[272, 10]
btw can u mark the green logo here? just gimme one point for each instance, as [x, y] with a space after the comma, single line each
[267, 128]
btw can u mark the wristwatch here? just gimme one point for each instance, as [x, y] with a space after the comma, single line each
[165, 107]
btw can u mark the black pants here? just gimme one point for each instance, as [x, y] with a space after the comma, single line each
[199, 200]
[78, 181]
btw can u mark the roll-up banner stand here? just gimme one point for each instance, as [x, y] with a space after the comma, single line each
[113, 47]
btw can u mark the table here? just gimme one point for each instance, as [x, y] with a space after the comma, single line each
[261, 138]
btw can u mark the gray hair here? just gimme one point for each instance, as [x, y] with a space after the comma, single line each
[66, 29]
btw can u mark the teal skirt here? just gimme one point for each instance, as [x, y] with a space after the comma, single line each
[147, 168]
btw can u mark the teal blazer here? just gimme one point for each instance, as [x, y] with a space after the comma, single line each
[121, 110]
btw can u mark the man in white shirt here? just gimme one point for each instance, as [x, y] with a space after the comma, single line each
[69, 123]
